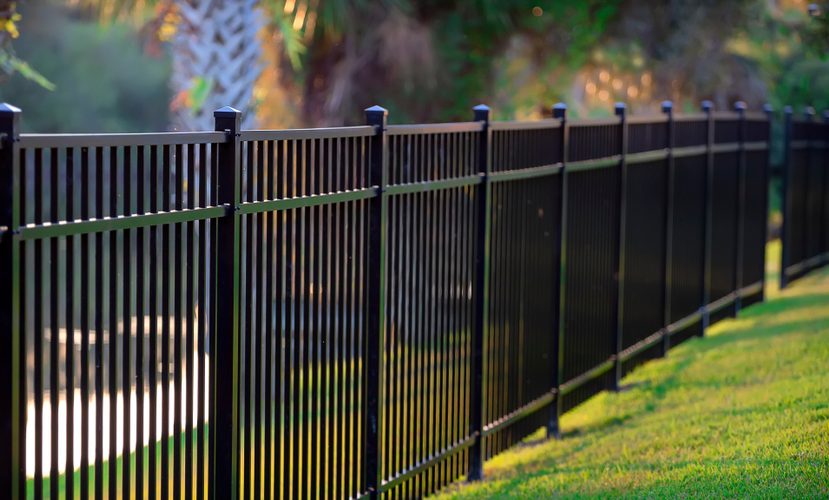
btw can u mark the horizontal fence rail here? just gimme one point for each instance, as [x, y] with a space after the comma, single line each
[362, 311]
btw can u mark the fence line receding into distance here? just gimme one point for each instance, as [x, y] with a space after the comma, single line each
[354, 311]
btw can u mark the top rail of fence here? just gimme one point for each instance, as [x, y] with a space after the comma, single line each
[525, 125]
[587, 122]
[726, 115]
[117, 140]
[306, 133]
[649, 118]
[756, 116]
[690, 117]
[435, 128]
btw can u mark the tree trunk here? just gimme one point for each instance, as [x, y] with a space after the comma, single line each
[216, 47]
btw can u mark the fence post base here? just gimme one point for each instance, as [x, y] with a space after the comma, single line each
[554, 422]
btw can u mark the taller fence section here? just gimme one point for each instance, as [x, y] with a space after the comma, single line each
[805, 233]
[591, 246]
[755, 178]
[360, 311]
[433, 194]
[520, 344]
[113, 240]
[304, 270]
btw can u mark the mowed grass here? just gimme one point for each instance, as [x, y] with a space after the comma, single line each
[743, 412]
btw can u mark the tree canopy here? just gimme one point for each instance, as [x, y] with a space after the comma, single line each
[320, 62]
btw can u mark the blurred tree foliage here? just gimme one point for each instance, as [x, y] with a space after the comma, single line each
[675, 50]
[433, 59]
[790, 48]
[10, 63]
[424, 60]
[103, 80]
[323, 61]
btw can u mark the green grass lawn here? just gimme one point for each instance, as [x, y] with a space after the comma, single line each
[743, 412]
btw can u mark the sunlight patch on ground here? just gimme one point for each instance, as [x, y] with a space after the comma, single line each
[742, 412]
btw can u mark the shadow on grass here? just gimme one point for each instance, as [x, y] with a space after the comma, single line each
[732, 332]
[653, 390]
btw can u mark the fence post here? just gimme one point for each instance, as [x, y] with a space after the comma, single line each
[668, 109]
[707, 108]
[740, 108]
[769, 111]
[378, 172]
[12, 472]
[481, 291]
[809, 117]
[824, 208]
[224, 375]
[785, 198]
[553, 423]
[620, 110]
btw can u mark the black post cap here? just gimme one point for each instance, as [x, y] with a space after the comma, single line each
[227, 118]
[740, 106]
[707, 106]
[10, 120]
[227, 112]
[667, 107]
[377, 115]
[481, 113]
[560, 110]
[620, 109]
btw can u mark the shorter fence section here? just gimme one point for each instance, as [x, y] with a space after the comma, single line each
[361, 311]
[805, 231]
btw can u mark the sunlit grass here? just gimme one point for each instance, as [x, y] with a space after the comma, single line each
[743, 412]
[106, 471]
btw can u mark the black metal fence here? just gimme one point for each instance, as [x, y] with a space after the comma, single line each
[805, 230]
[353, 311]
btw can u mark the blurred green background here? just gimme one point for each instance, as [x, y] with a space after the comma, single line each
[144, 65]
